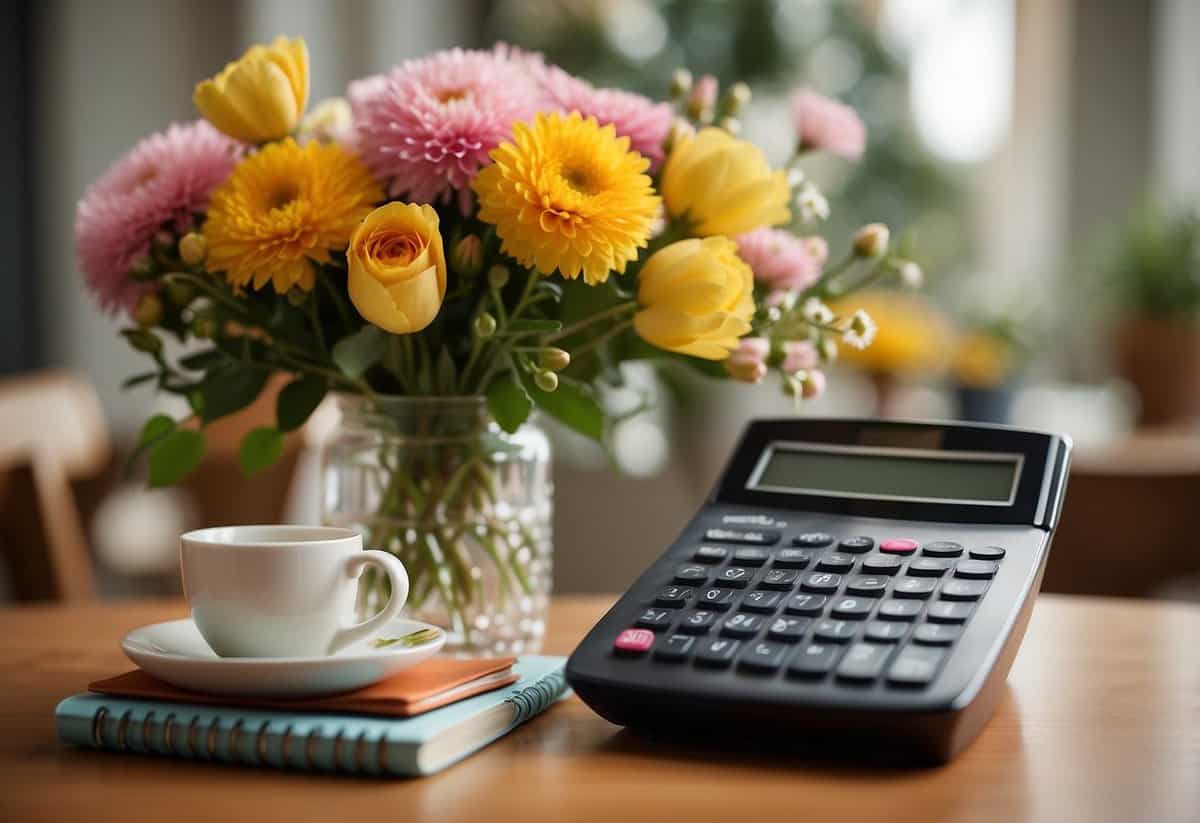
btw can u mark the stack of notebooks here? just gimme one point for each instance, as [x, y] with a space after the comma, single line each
[415, 723]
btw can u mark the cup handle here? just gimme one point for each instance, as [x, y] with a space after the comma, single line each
[394, 569]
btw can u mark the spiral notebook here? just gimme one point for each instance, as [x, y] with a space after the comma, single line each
[380, 747]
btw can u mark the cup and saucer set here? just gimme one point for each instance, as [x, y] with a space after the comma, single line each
[271, 610]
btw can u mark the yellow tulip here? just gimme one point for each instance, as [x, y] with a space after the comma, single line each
[260, 96]
[398, 267]
[723, 185]
[697, 297]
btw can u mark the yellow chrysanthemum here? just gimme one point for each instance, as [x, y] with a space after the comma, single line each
[283, 208]
[568, 194]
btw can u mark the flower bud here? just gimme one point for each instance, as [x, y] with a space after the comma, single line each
[193, 248]
[180, 293]
[148, 311]
[204, 326]
[498, 276]
[812, 204]
[731, 125]
[164, 242]
[545, 380]
[871, 240]
[703, 98]
[812, 383]
[911, 275]
[828, 349]
[554, 359]
[467, 256]
[142, 268]
[736, 98]
[681, 83]
[484, 325]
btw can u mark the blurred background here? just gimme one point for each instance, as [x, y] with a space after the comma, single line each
[1038, 157]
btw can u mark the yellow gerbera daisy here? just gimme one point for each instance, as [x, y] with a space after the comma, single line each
[283, 208]
[567, 194]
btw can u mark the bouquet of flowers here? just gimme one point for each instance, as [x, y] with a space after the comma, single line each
[469, 224]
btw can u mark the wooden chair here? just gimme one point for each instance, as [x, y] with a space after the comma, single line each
[52, 430]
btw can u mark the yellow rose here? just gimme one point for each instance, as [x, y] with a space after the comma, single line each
[697, 297]
[723, 185]
[261, 96]
[398, 267]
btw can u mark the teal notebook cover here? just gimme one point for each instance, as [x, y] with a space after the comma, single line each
[380, 747]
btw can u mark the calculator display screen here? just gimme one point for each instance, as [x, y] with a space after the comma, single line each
[919, 475]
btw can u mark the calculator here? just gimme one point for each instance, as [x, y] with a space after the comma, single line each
[860, 584]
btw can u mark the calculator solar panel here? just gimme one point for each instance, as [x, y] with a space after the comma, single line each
[833, 589]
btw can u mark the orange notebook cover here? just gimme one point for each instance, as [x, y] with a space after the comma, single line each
[430, 685]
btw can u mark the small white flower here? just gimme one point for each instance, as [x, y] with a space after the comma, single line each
[828, 349]
[911, 275]
[812, 203]
[861, 330]
[816, 312]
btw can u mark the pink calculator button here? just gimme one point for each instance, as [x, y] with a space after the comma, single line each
[898, 545]
[634, 641]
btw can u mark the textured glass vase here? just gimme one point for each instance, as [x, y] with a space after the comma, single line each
[463, 504]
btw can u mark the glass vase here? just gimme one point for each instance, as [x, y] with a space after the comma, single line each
[463, 504]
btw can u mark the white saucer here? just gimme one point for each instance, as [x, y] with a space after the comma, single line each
[175, 652]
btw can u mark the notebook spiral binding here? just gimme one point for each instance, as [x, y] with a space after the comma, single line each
[533, 699]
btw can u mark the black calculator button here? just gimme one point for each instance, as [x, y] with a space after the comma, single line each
[710, 554]
[697, 622]
[749, 537]
[673, 596]
[976, 569]
[674, 648]
[716, 653]
[761, 601]
[813, 540]
[899, 609]
[741, 625]
[716, 599]
[869, 585]
[691, 574]
[942, 548]
[852, 608]
[836, 562]
[813, 660]
[936, 634]
[987, 553]
[834, 631]
[656, 619]
[947, 612]
[734, 577]
[965, 590]
[763, 656]
[781, 579]
[792, 558]
[806, 604]
[881, 564]
[750, 557]
[914, 587]
[927, 567]
[856, 545]
[863, 662]
[789, 629]
[915, 666]
[821, 582]
[881, 631]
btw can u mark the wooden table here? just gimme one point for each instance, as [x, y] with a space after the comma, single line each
[1101, 722]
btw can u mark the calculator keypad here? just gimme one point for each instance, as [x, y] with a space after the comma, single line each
[860, 608]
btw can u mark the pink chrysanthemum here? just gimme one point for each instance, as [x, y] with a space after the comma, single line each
[781, 261]
[163, 181]
[427, 127]
[823, 124]
[645, 122]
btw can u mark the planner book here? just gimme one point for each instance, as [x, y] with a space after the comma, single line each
[317, 741]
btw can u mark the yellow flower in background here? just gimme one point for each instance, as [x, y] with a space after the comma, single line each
[284, 208]
[262, 95]
[982, 360]
[398, 267]
[697, 297]
[912, 336]
[568, 194]
[723, 185]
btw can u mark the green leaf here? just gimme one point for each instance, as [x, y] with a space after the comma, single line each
[142, 340]
[138, 379]
[418, 638]
[509, 403]
[573, 404]
[298, 400]
[447, 373]
[356, 353]
[228, 388]
[156, 428]
[202, 360]
[260, 448]
[175, 456]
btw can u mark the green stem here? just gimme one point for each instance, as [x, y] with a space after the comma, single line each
[574, 328]
[601, 339]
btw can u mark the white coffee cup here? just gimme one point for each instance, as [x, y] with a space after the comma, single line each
[282, 591]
